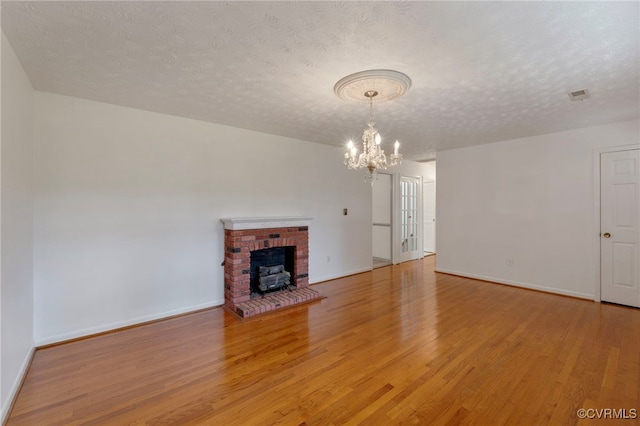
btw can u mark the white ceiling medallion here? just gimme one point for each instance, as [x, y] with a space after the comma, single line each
[388, 83]
[383, 85]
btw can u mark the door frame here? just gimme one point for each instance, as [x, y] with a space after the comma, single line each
[596, 214]
[425, 181]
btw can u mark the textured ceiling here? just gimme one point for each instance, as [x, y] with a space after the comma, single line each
[480, 71]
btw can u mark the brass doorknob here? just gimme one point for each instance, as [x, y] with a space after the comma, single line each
[606, 235]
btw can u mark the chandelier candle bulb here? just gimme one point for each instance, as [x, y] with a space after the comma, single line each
[395, 147]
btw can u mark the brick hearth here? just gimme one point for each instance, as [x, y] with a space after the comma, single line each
[241, 237]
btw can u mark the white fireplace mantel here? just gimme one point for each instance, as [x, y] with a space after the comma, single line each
[242, 223]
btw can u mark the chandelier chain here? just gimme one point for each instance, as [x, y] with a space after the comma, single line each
[371, 122]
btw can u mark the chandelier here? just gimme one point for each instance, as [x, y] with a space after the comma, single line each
[364, 86]
[372, 157]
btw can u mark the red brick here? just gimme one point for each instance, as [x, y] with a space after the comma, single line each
[237, 286]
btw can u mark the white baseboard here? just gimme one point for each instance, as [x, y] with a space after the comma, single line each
[120, 324]
[341, 275]
[15, 387]
[126, 323]
[519, 284]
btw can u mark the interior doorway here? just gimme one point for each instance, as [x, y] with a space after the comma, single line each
[381, 217]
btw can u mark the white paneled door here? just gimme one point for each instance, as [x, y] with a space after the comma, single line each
[410, 212]
[619, 227]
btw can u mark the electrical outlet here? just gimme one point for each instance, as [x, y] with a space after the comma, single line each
[509, 261]
[345, 212]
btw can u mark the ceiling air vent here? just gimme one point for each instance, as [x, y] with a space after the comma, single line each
[579, 95]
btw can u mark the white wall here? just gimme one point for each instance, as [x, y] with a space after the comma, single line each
[530, 200]
[429, 170]
[16, 258]
[128, 208]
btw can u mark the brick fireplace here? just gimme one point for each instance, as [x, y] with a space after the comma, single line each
[244, 236]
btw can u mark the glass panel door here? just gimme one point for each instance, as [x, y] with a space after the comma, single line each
[409, 218]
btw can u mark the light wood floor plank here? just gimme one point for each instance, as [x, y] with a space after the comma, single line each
[399, 345]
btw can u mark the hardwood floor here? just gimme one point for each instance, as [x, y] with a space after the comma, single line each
[399, 345]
